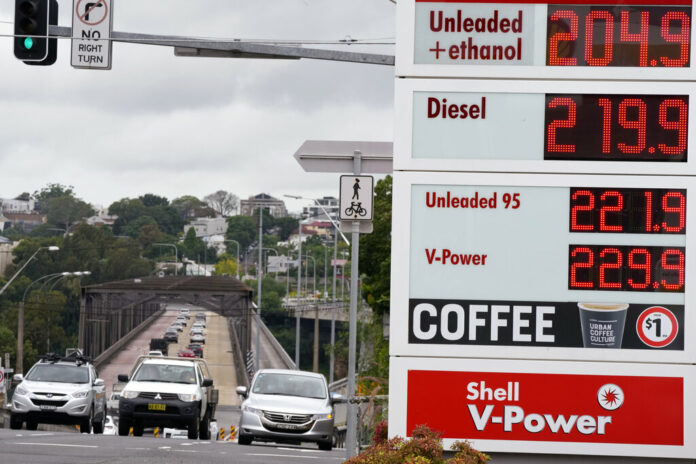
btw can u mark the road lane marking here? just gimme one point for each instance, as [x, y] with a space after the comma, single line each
[65, 445]
[284, 456]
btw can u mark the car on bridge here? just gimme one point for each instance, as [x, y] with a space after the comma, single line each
[197, 349]
[171, 335]
[167, 392]
[186, 353]
[197, 338]
[288, 406]
[60, 390]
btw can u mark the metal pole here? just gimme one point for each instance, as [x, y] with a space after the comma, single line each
[299, 291]
[258, 294]
[333, 311]
[20, 338]
[326, 265]
[351, 433]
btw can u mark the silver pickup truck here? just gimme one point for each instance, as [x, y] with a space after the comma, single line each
[167, 392]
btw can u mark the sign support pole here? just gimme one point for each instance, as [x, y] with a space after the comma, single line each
[351, 433]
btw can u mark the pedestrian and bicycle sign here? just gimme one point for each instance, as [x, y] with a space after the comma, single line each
[356, 198]
[91, 34]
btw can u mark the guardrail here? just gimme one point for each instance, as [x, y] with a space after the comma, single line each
[113, 349]
[242, 376]
[277, 347]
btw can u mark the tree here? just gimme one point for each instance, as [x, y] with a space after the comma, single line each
[150, 199]
[66, 210]
[226, 265]
[53, 191]
[189, 206]
[25, 196]
[242, 229]
[286, 226]
[222, 202]
[375, 250]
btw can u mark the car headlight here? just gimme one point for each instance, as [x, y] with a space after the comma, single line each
[20, 390]
[246, 408]
[188, 397]
[81, 394]
[323, 416]
[129, 394]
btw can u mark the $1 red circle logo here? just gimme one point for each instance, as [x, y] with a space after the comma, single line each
[657, 326]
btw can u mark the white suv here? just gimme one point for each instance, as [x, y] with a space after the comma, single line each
[60, 391]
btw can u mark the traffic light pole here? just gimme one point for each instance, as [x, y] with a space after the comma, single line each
[191, 46]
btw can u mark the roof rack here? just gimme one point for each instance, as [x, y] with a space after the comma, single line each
[75, 357]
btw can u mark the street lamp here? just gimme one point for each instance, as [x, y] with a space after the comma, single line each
[333, 306]
[236, 243]
[176, 254]
[53, 285]
[20, 320]
[49, 248]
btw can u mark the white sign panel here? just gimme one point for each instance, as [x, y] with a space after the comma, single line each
[356, 198]
[568, 267]
[617, 409]
[547, 40]
[543, 126]
[91, 33]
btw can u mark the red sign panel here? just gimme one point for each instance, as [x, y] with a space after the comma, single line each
[548, 407]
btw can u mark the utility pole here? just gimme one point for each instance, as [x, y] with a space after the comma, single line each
[299, 291]
[258, 293]
[333, 311]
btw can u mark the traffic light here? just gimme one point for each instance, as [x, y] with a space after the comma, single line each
[32, 18]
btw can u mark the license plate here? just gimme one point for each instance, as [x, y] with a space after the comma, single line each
[48, 407]
[156, 407]
[286, 426]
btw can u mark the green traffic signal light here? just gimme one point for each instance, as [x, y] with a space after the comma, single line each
[28, 43]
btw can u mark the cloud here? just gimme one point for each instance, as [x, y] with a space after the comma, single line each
[174, 125]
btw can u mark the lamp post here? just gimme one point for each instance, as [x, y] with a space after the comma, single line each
[337, 230]
[236, 243]
[53, 285]
[258, 294]
[176, 254]
[49, 248]
[20, 321]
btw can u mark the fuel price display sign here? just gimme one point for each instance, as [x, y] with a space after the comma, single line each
[576, 267]
[542, 127]
[645, 39]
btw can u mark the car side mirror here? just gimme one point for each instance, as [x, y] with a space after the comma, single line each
[242, 391]
[207, 382]
[337, 398]
[122, 378]
[18, 377]
[98, 382]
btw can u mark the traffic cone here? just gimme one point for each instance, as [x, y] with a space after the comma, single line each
[156, 432]
[233, 433]
[130, 432]
[221, 435]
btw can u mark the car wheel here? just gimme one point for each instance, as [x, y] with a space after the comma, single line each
[98, 427]
[137, 429]
[325, 445]
[244, 439]
[86, 424]
[32, 425]
[123, 427]
[193, 429]
[204, 431]
[16, 422]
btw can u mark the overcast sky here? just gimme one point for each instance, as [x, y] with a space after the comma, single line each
[189, 126]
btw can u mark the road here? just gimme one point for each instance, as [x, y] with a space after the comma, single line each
[22, 447]
[217, 352]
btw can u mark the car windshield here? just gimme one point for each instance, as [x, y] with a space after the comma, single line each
[165, 373]
[290, 385]
[58, 373]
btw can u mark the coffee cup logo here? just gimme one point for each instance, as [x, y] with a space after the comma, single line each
[602, 324]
